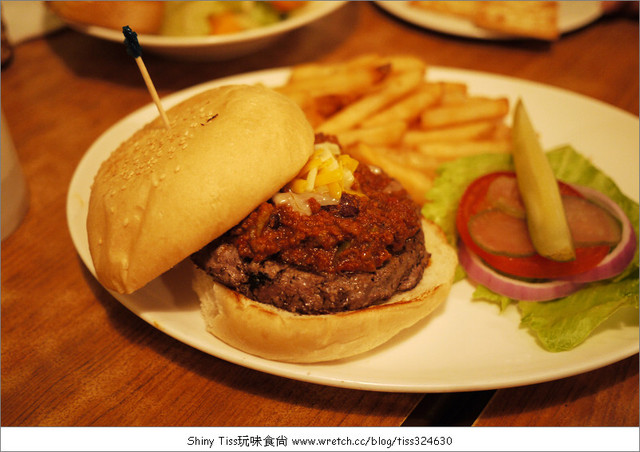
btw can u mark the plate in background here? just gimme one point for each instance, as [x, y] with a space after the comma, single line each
[571, 16]
[218, 47]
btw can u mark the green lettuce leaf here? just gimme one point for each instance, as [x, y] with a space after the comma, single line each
[449, 186]
[564, 323]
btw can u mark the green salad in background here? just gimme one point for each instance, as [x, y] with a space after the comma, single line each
[203, 18]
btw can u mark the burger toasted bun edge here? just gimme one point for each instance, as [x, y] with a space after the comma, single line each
[164, 194]
[142, 17]
[276, 334]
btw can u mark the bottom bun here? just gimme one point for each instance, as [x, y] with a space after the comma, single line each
[280, 335]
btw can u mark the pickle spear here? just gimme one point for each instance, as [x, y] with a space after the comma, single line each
[546, 219]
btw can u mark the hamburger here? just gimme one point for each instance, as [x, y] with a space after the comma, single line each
[299, 252]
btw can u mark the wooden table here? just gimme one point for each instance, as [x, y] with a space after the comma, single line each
[72, 355]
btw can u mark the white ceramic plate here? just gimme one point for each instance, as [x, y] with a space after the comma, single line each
[218, 47]
[571, 16]
[464, 345]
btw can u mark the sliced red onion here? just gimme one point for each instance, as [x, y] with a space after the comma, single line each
[510, 287]
[618, 259]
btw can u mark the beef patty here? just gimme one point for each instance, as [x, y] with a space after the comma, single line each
[341, 257]
[306, 292]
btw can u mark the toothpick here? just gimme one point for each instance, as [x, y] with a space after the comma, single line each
[134, 49]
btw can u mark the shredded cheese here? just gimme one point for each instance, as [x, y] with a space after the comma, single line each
[327, 175]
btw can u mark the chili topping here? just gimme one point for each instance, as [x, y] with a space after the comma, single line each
[370, 223]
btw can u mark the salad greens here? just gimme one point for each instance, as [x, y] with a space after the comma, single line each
[193, 18]
[559, 324]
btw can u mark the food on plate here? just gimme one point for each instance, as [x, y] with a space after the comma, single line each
[512, 220]
[496, 230]
[534, 19]
[457, 8]
[201, 18]
[192, 18]
[150, 177]
[144, 17]
[546, 219]
[479, 203]
[386, 111]
[301, 252]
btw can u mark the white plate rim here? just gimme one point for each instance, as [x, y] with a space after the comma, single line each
[572, 16]
[365, 372]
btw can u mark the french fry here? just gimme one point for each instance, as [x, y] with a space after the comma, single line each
[330, 104]
[453, 150]
[414, 181]
[381, 135]
[411, 158]
[474, 109]
[362, 72]
[453, 98]
[406, 63]
[409, 107]
[465, 132]
[502, 131]
[355, 113]
[320, 70]
[384, 112]
[351, 82]
[453, 92]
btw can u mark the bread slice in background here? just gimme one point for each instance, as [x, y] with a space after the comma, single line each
[456, 8]
[535, 19]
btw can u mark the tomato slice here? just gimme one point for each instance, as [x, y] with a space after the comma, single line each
[474, 200]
